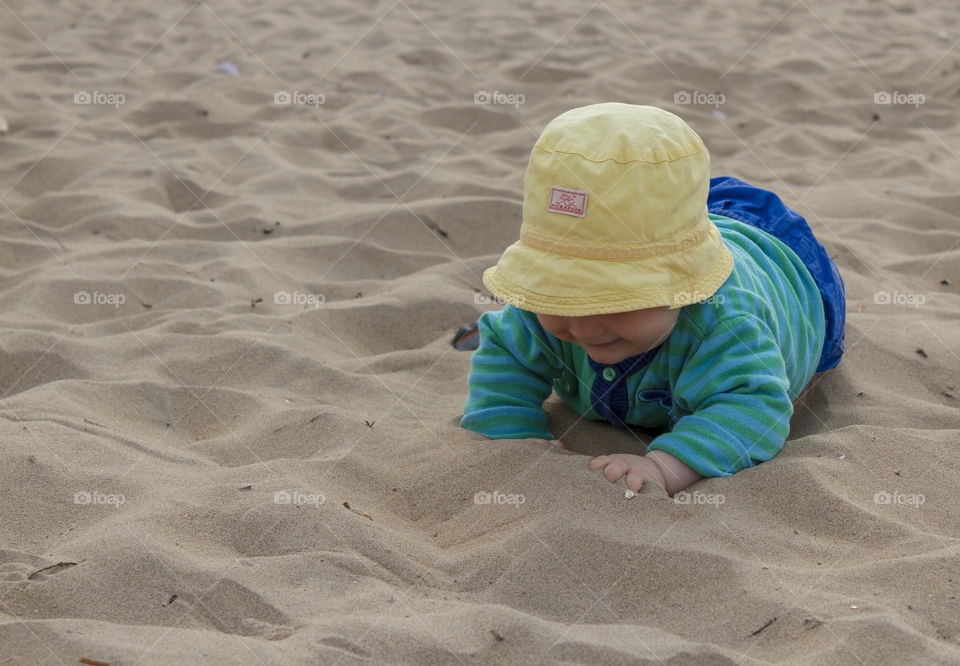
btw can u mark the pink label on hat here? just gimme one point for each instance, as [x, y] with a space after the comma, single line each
[568, 202]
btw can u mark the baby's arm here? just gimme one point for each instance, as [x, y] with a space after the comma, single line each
[736, 388]
[512, 373]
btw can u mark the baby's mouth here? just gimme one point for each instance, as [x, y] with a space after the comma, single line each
[605, 344]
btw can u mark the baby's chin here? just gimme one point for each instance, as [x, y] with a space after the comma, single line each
[622, 349]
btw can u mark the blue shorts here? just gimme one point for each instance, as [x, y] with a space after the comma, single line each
[733, 198]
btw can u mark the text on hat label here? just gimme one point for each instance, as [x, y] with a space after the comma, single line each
[567, 201]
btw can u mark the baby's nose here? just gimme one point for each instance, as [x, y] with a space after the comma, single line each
[586, 328]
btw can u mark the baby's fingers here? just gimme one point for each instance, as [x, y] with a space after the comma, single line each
[612, 469]
[615, 470]
[635, 480]
[552, 442]
[599, 462]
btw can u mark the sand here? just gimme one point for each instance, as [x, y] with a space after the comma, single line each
[198, 468]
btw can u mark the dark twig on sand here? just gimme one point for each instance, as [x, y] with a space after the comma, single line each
[92, 662]
[772, 620]
[52, 566]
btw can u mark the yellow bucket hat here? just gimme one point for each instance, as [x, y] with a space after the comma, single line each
[614, 217]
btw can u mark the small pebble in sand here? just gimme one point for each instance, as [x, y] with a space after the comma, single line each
[629, 494]
[228, 67]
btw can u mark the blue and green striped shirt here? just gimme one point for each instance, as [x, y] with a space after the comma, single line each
[723, 382]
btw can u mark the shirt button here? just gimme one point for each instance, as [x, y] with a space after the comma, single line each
[609, 374]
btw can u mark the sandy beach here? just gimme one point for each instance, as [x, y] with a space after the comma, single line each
[237, 239]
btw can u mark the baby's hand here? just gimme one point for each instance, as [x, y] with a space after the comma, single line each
[637, 469]
[552, 442]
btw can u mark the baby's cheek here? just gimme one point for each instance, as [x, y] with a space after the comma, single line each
[645, 335]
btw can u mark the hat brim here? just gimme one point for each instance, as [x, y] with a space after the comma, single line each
[545, 282]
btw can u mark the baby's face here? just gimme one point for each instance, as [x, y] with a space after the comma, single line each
[610, 338]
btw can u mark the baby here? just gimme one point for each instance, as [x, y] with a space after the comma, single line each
[644, 293]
